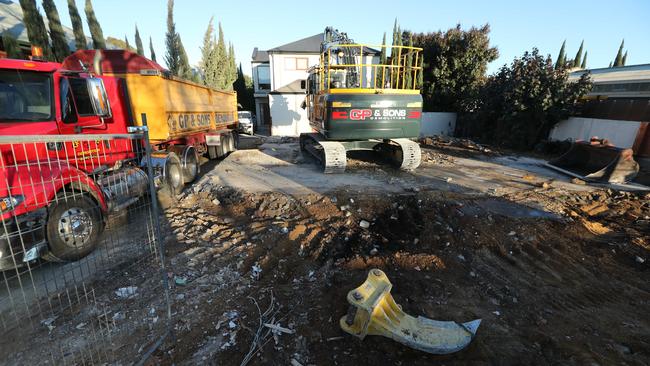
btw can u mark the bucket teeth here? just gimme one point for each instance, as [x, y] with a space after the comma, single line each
[373, 311]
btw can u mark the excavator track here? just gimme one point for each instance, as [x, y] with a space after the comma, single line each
[409, 155]
[330, 154]
[403, 153]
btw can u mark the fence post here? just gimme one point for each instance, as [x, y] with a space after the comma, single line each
[157, 233]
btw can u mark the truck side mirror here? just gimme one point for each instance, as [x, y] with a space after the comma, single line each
[99, 97]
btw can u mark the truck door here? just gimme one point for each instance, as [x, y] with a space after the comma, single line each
[84, 113]
[77, 111]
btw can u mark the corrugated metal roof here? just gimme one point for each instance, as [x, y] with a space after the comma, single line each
[613, 74]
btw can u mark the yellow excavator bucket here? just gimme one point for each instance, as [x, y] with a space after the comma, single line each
[373, 311]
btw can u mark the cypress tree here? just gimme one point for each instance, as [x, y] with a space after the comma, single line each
[185, 69]
[172, 55]
[408, 71]
[77, 26]
[95, 29]
[610, 64]
[381, 83]
[561, 57]
[35, 25]
[578, 59]
[618, 61]
[138, 42]
[206, 65]
[420, 79]
[153, 53]
[221, 62]
[395, 36]
[59, 43]
[126, 41]
[584, 61]
[11, 45]
[624, 58]
[176, 57]
[232, 67]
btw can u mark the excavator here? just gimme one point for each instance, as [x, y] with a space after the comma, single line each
[357, 100]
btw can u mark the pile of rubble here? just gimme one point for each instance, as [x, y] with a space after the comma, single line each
[448, 141]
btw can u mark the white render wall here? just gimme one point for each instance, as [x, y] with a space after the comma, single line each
[288, 119]
[438, 123]
[620, 133]
[280, 76]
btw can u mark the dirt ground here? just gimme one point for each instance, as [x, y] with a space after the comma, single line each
[557, 270]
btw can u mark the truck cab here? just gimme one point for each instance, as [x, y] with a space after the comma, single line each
[38, 98]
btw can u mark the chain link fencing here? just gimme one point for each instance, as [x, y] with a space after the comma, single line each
[82, 271]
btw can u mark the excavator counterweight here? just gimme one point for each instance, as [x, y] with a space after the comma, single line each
[356, 101]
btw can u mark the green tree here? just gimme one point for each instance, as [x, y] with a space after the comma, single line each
[59, 43]
[11, 46]
[379, 74]
[172, 55]
[395, 53]
[35, 25]
[176, 57]
[95, 29]
[186, 71]
[454, 67]
[420, 79]
[396, 36]
[618, 61]
[77, 26]
[624, 59]
[138, 42]
[577, 61]
[207, 66]
[126, 42]
[560, 63]
[221, 62]
[584, 61]
[243, 85]
[410, 63]
[521, 104]
[610, 64]
[153, 53]
[232, 68]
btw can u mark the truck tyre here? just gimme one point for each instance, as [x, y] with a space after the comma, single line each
[235, 136]
[73, 226]
[174, 174]
[212, 152]
[191, 165]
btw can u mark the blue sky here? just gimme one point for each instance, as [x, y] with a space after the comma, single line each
[517, 26]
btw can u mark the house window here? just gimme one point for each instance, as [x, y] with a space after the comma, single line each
[301, 63]
[263, 77]
[296, 63]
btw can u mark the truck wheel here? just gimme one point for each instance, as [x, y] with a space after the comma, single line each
[174, 174]
[191, 165]
[235, 137]
[73, 226]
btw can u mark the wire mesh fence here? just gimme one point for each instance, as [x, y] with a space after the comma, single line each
[79, 215]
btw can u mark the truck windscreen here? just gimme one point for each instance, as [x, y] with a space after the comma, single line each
[25, 96]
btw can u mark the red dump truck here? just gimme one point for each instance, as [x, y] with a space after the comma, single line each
[91, 93]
